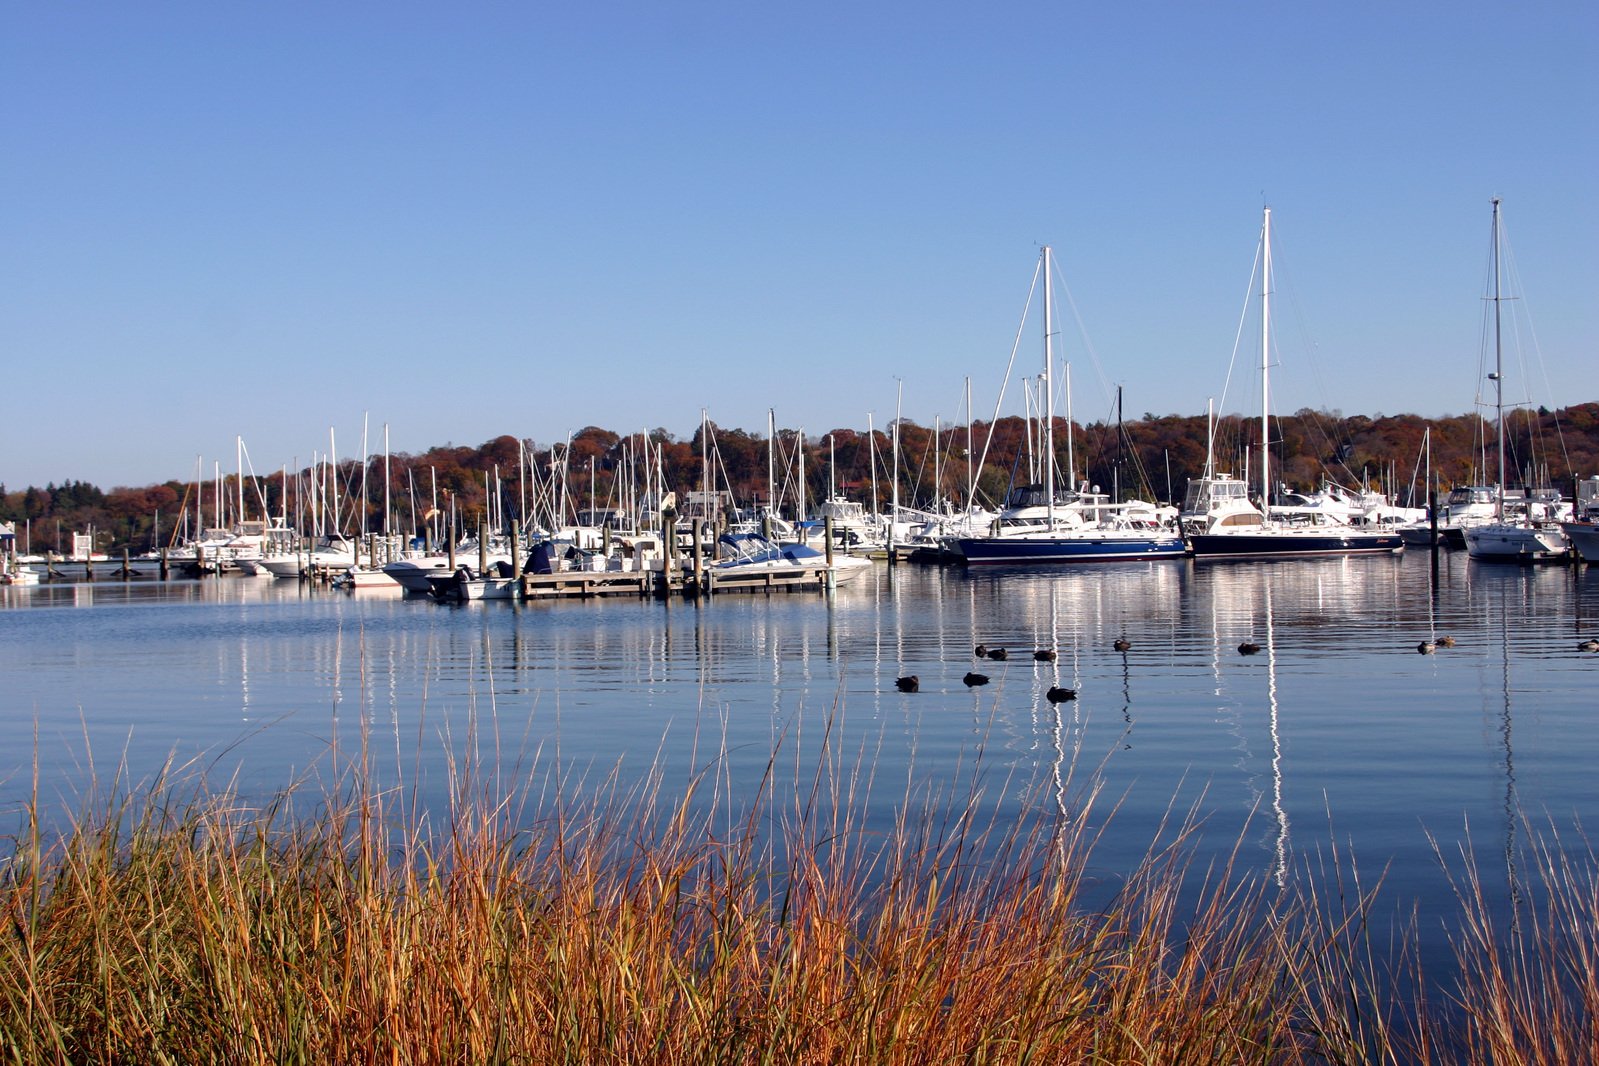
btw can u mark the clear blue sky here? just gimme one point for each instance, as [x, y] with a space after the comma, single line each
[473, 219]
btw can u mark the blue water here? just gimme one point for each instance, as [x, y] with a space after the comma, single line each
[1337, 732]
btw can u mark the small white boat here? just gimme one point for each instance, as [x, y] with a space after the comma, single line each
[332, 554]
[417, 575]
[499, 582]
[744, 554]
[366, 577]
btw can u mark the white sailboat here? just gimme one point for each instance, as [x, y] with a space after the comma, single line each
[1041, 526]
[1224, 524]
[1531, 533]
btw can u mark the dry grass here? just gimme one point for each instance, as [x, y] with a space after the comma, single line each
[178, 925]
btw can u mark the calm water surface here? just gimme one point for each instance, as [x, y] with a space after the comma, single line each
[1338, 730]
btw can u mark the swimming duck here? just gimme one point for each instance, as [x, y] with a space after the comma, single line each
[999, 655]
[1446, 642]
[1427, 647]
[972, 680]
[1044, 655]
[1056, 694]
[982, 650]
[1121, 644]
[1588, 645]
[1248, 647]
[908, 684]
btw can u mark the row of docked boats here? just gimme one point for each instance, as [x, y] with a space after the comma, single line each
[736, 557]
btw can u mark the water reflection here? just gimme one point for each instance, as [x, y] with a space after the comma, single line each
[1374, 733]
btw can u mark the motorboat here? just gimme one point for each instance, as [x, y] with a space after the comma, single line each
[743, 554]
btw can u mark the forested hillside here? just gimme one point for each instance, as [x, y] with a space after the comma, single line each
[1151, 457]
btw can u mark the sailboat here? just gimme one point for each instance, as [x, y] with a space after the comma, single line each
[1530, 533]
[1241, 530]
[1085, 528]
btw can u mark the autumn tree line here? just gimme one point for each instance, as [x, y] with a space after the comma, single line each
[1150, 458]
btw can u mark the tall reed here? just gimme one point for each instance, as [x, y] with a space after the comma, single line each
[597, 923]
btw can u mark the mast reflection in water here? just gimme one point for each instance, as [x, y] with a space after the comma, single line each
[1383, 747]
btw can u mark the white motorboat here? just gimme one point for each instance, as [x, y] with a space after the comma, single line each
[332, 554]
[1583, 528]
[743, 554]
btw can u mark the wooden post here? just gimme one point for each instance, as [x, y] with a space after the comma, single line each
[766, 525]
[516, 547]
[482, 550]
[166, 571]
[699, 555]
[127, 572]
[449, 536]
[668, 551]
[827, 535]
[199, 561]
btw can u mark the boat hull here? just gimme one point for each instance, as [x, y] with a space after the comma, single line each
[1013, 551]
[1259, 543]
[1516, 544]
[1584, 538]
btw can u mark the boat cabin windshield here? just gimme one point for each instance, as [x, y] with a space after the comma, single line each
[1203, 492]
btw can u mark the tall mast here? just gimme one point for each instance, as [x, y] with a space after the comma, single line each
[899, 396]
[831, 490]
[971, 471]
[1049, 397]
[1498, 376]
[771, 473]
[1265, 363]
[1071, 461]
[799, 512]
[362, 529]
[238, 460]
[871, 438]
[387, 532]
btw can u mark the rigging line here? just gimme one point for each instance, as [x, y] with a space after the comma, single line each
[1015, 347]
[1082, 331]
[1243, 316]
[1306, 344]
[1514, 274]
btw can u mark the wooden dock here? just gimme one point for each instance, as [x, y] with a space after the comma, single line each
[794, 579]
[585, 584]
[589, 583]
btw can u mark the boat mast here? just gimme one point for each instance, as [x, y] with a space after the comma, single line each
[771, 472]
[971, 471]
[1498, 377]
[238, 462]
[799, 510]
[1265, 363]
[871, 438]
[1071, 460]
[1049, 398]
[899, 395]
